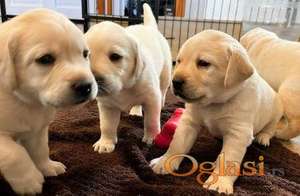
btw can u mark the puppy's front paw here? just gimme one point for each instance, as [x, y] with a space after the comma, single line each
[104, 146]
[222, 185]
[263, 139]
[30, 183]
[148, 139]
[158, 165]
[149, 136]
[52, 168]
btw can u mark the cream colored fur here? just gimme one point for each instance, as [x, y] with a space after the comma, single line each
[30, 92]
[224, 94]
[138, 79]
[277, 61]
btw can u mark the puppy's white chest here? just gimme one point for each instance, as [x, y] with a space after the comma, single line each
[123, 102]
[214, 122]
[212, 127]
[124, 106]
[208, 123]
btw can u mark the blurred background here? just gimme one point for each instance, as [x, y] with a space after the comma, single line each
[178, 19]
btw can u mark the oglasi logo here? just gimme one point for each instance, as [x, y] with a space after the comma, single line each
[231, 168]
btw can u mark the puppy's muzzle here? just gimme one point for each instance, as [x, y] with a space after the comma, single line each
[82, 90]
[178, 86]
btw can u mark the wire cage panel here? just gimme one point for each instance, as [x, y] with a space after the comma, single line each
[178, 20]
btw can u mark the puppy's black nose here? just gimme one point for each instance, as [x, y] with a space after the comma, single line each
[82, 89]
[177, 84]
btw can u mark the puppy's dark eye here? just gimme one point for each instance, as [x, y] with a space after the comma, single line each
[85, 53]
[115, 57]
[46, 59]
[178, 61]
[202, 64]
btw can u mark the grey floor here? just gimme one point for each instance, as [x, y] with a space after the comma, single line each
[291, 32]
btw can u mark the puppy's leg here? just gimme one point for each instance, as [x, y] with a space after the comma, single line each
[165, 80]
[136, 110]
[289, 93]
[18, 169]
[37, 146]
[234, 148]
[152, 109]
[183, 140]
[264, 136]
[109, 121]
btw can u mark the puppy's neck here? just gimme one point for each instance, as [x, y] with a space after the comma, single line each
[224, 96]
[135, 83]
[27, 100]
[228, 94]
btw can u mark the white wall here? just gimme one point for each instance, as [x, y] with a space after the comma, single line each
[118, 7]
[258, 11]
[214, 9]
[71, 8]
[266, 11]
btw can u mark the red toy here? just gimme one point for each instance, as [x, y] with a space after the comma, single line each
[165, 137]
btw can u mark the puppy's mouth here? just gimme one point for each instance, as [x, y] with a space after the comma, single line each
[191, 100]
[103, 90]
[66, 104]
[81, 100]
[188, 99]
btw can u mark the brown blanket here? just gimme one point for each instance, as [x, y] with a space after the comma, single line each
[126, 170]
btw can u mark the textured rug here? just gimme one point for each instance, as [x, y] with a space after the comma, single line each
[126, 170]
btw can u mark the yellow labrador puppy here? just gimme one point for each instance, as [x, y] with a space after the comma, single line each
[43, 66]
[223, 93]
[132, 67]
[277, 61]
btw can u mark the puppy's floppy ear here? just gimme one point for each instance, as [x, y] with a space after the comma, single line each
[239, 67]
[7, 62]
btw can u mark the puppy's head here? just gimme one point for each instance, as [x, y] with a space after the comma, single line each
[208, 65]
[46, 61]
[256, 35]
[115, 57]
